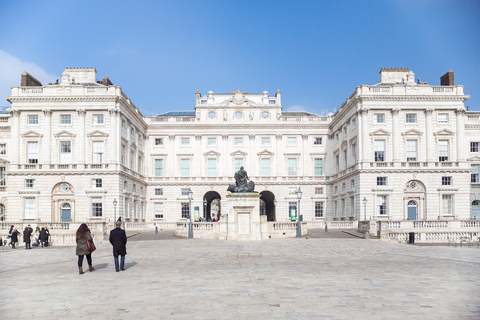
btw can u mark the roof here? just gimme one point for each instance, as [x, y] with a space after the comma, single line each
[177, 114]
[299, 114]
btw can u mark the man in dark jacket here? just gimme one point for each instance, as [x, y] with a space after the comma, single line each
[118, 239]
[43, 236]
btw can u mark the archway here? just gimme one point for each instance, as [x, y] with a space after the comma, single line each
[212, 209]
[267, 205]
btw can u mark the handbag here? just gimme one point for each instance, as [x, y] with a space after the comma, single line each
[90, 246]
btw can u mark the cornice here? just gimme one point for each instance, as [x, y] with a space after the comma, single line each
[238, 127]
[95, 191]
[415, 97]
[29, 192]
[60, 99]
[472, 126]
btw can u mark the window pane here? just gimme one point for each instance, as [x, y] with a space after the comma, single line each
[238, 141]
[292, 141]
[96, 207]
[318, 209]
[97, 147]
[238, 163]
[2, 176]
[212, 141]
[212, 167]
[65, 152]
[185, 167]
[65, 119]
[159, 167]
[443, 152]
[266, 167]
[382, 205]
[411, 150]
[98, 119]
[32, 152]
[447, 204]
[158, 210]
[292, 166]
[379, 150]
[29, 208]
[318, 167]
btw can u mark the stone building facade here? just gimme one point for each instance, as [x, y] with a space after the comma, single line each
[80, 150]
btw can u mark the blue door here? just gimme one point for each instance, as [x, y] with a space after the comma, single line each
[412, 210]
[66, 213]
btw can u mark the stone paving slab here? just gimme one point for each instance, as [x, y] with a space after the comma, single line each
[315, 278]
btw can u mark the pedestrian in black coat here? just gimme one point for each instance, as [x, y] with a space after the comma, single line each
[118, 239]
[43, 236]
[14, 239]
[27, 234]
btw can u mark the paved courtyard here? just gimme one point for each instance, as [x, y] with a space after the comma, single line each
[315, 278]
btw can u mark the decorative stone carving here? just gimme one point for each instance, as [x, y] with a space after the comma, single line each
[47, 112]
[429, 111]
[112, 111]
[251, 136]
[81, 112]
[395, 111]
[198, 136]
[460, 111]
[224, 136]
[304, 136]
[171, 136]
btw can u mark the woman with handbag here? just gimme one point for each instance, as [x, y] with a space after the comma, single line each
[84, 241]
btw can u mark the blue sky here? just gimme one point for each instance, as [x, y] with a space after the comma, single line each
[315, 52]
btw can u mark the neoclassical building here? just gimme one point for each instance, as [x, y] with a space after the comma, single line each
[80, 150]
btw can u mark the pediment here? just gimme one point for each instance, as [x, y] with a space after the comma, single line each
[265, 153]
[474, 159]
[212, 153]
[31, 134]
[4, 161]
[238, 153]
[97, 133]
[344, 144]
[412, 132]
[444, 132]
[380, 132]
[64, 133]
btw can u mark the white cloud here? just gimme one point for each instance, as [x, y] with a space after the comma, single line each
[11, 69]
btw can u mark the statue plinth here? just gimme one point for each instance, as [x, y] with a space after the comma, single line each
[243, 216]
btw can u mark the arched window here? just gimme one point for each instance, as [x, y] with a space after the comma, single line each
[66, 206]
[2, 212]
[475, 209]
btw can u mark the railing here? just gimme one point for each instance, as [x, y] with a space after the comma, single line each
[430, 224]
[342, 224]
[470, 224]
[379, 89]
[96, 89]
[32, 90]
[185, 119]
[4, 119]
[442, 89]
[284, 225]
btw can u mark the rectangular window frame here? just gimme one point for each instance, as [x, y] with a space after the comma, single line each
[65, 119]
[410, 118]
[97, 207]
[32, 120]
[473, 147]
[98, 119]
[379, 118]
[318, 209]
[158, 209]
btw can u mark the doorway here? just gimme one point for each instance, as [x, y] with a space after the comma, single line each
[412, 209]
[66, 212]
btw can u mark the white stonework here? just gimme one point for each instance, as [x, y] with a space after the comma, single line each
[73, 147]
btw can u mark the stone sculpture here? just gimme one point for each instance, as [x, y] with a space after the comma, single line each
[242, 183]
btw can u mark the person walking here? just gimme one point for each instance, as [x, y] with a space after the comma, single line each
[83, 235]
[43, 236]
[27, 234]
[118, 239]
[37, 237]
[14, 238]
[10, 234]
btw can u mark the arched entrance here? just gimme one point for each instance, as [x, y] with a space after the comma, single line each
[212, 206]
[412, 208]
[66, 214]
[267, 205]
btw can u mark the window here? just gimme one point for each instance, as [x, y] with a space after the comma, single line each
[65, 119]
[32, 147]
[354, 123]
[96, 183]
[379, 150]
[65, 152]
[123, 155]
[139, 164]
[292, 166]
[159, 191]
[473, 147]
[158, 210]
[354, 152]
[266, 167]
[336, 189]
[411, 118]
[238, 163]
[412, 148]
[337, 163]
[185, 191]
[318, 209]
[98, 119]
[185, 141]
[291, 141]
[158, 167]
[132, 159]
[132, 132]
[2, 212]
[343, 186]
[3, 148]
[134, 188]
[185, 167]
[212, 141]
[345, 131]
[125, 184]
[446, 181]
[442, 118]
[185, 210]
[265, 115]
[159, 141]
[381, 205]
[447, 201]
[381, 181]
[33, 119]
[125, 209]
[123, 124]
[352, 184]
[97, 151]
[238, 141]
[379, 117]
[96, 207]
[475, 177]
[265, 141]
[343, 207]
[336, 137]
[352, 206]
[212, 167]
[318, 167]
[212, 114]
[345, 159]
[318, 190]
[3, 181]
[238, 115]
[443, 150]
[317, 141]
[29, 183]
[203, 101]
[335, 207]
[271, 101]
[475, 210]
[30, 208]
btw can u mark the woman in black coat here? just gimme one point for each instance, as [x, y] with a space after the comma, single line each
[14, 239]
[27, 234]
[43, 236]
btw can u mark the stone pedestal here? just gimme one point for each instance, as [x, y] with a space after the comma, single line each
[243, 216]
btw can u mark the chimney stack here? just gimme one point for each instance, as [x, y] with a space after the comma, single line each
[447, 79]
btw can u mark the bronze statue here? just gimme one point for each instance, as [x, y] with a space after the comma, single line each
[242, 183]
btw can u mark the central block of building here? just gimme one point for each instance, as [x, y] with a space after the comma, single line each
[243, 216]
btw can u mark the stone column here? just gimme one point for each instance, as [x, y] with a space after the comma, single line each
[224, 157]
[395, 144]
[303, 156]
[279, 157]
[251, 163]
[364, 131]
[429, 135]
[198, 158]
[81, 136]
[118, 128]
[113, 135]
[15, 145]
[171, 159]
[460, 134]
[359, 137]
[48, 134]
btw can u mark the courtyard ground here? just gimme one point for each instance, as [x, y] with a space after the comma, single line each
[322, 276]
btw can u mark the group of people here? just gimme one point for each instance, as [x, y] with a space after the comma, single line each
[118, 239]
[40, 236]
